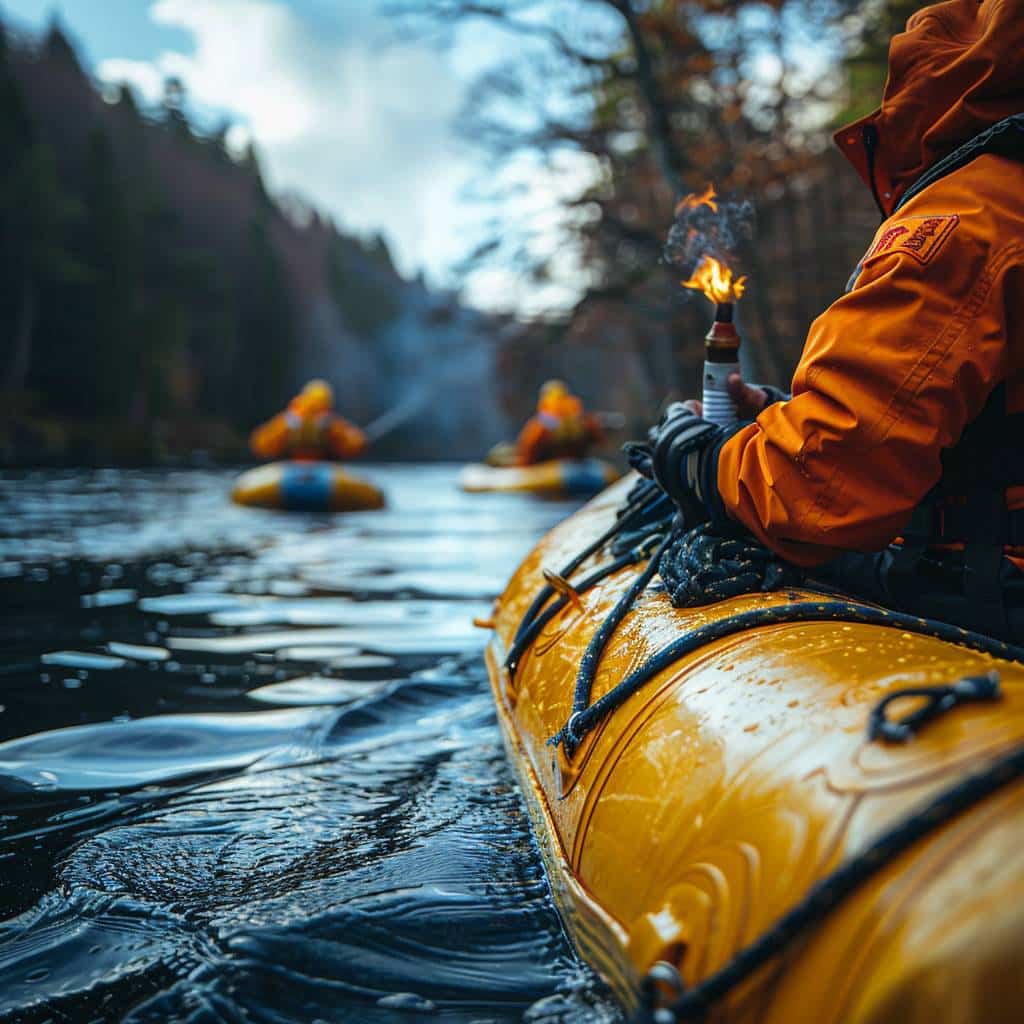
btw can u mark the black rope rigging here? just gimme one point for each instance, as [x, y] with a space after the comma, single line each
[534, 626]
[645, 499]
[591, 659]
[583, 721]
[632, 537]
[824, 896]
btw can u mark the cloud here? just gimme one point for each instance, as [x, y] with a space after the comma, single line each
[364, 130]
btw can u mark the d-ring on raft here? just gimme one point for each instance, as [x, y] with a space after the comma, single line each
[741, 820]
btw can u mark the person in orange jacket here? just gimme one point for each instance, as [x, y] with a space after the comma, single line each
[896, 468]
[559, 430]
[308, 430]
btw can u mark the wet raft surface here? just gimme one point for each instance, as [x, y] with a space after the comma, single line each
[250, 768]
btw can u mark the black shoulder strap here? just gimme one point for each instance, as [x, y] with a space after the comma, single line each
[975, 468]
[1006, 139]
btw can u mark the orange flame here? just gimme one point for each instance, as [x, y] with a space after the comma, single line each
[692, 201]
[715, 280]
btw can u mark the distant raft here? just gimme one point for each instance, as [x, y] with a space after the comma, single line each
[305, 487]
[557, 478]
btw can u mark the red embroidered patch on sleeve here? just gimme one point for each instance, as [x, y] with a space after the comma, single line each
[918, 237]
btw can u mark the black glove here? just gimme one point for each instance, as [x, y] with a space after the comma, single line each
[638, 455]
[684, 461]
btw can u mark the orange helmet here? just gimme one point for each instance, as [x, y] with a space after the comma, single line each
[552, 393]
[316, 397]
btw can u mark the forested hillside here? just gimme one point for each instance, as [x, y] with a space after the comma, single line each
[158, 301]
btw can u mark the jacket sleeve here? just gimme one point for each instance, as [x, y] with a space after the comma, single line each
[532, 439]
[890, 375]
[592, 429]
[268, 441]
[345, 440]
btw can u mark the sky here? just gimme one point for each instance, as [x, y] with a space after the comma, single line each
[342, 113]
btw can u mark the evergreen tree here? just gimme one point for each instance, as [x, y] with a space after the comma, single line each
[57, 47]
[111, 248]
[267, 337]
[362, 283]
[34, 216]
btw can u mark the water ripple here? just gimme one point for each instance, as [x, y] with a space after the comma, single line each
[269, 788]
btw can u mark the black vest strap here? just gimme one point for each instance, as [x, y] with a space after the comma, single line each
[1006, 139]
[975, 463]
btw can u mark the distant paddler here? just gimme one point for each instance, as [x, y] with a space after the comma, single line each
[309, 430]
[309, 439]
[560, 429]
[550, 456]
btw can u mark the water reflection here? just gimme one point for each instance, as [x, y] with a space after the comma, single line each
[262, 788]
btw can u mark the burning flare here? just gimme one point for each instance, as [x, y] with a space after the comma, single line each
[715, 280]
[692, 201]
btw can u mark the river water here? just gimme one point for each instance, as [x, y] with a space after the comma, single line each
[250, 768]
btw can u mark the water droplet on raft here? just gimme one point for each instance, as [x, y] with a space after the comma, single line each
[407, 1001]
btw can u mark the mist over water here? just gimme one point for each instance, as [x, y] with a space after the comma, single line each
[250, 768]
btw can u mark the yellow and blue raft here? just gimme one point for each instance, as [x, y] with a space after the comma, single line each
[555, 478]
[777, 807]
[305, 487]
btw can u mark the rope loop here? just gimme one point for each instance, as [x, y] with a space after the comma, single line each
[938, 700]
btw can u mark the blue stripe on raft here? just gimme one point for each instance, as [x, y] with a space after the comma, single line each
[582, 478]
[307, 487]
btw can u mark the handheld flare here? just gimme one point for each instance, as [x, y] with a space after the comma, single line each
[721, 361]
[722, 342]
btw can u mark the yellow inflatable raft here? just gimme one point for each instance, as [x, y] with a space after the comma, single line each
[305, 487]
[726, 839]
[558, 477]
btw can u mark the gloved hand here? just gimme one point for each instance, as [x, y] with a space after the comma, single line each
[683, 459]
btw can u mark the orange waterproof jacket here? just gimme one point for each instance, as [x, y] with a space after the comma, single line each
[308, 436]
[893, 372]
